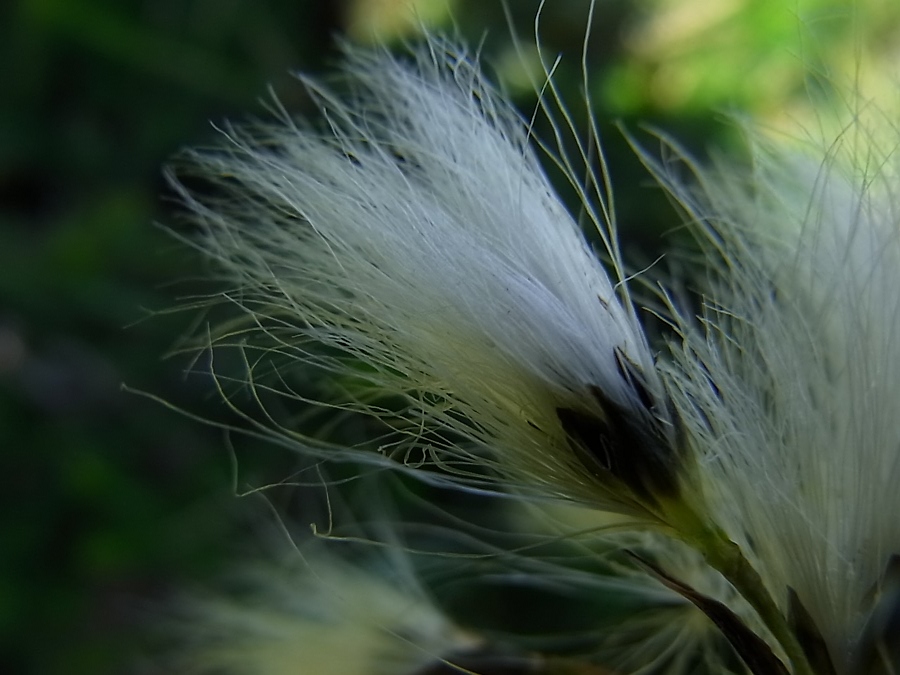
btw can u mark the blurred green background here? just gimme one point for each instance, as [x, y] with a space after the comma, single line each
[109, 500]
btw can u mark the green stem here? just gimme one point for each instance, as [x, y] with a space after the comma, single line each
[726, 557]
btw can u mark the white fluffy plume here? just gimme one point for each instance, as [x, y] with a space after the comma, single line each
[319, 616]
[418, 247]
[792, 391]
[420, 237]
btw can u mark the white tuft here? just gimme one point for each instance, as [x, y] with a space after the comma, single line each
[418, 247]
[326, 618]
[791, 391]
[420, 237]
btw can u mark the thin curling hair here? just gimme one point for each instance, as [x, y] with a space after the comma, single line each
[410, 250]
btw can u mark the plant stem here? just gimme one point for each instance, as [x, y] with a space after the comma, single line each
[726, 557]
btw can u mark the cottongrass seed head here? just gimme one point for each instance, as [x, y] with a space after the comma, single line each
[412, 248]
[420, 237]
[333, 619]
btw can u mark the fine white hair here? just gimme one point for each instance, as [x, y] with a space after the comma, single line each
[414, 249]
[420, 237]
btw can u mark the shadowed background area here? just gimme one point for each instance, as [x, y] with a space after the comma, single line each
[109, 500]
